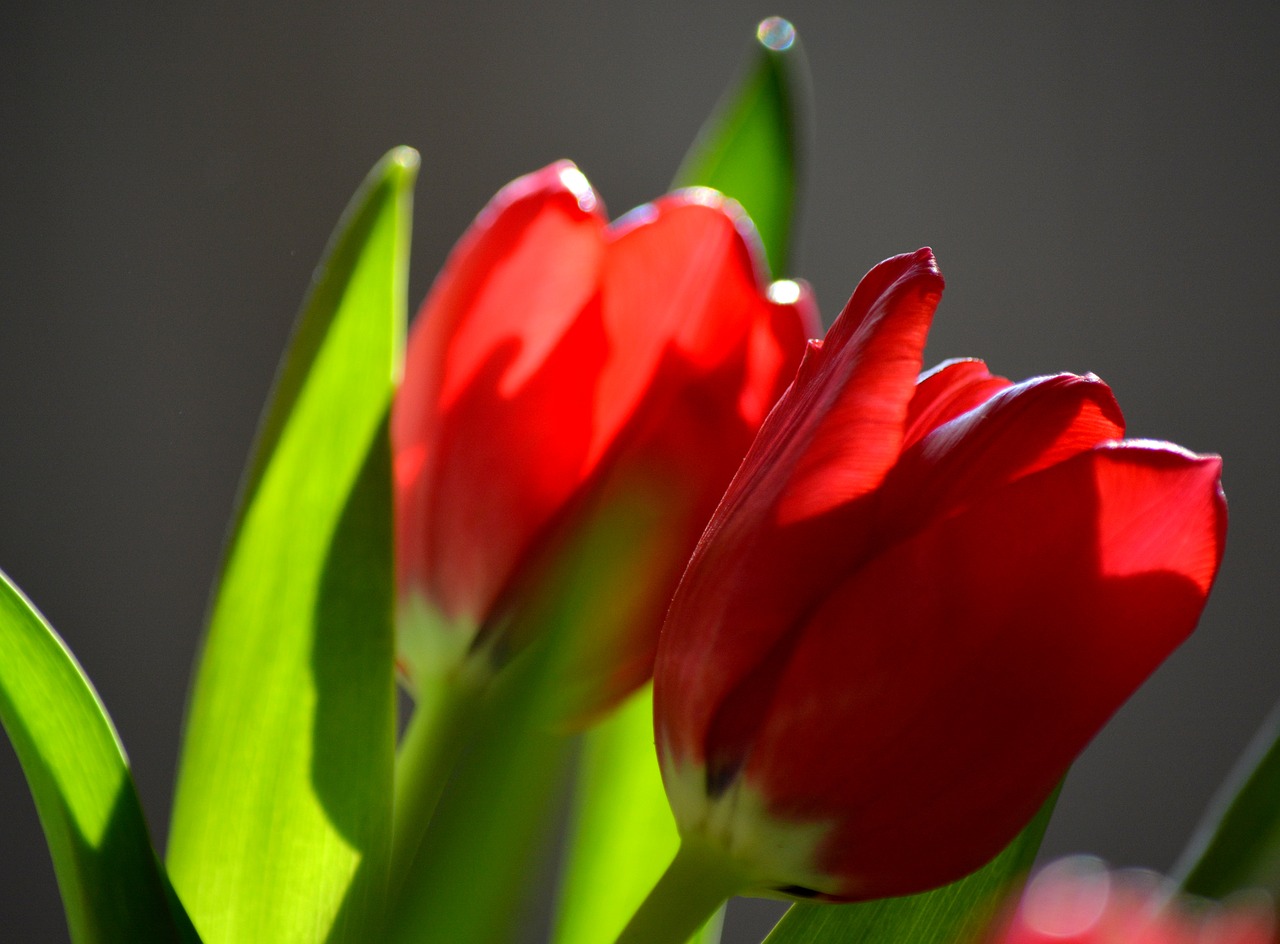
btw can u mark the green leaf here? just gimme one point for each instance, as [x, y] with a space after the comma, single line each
[750, 147]
[281, 824]
[955, 913]
[113, 887]
[623, 835]
[470, 882]
[1238, 844]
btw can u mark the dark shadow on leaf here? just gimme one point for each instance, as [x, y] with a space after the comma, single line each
[120, 887]
[352, 666]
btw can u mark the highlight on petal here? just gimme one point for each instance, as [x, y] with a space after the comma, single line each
[1161, 502]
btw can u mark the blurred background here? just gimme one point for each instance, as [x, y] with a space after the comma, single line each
[1098, 181]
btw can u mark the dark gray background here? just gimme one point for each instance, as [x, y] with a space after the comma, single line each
[1097, 179]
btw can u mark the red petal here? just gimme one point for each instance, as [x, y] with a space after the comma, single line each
[861, 381]
[547, 345]
[1016, 432]
[681, 284]
[946, 391]
[752, 576]
[708, 353]
[498, 377]
[934, 701]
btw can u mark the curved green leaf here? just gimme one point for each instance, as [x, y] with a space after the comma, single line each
[113, 887]
[751, 147]
[954, 914]
[281, 823]
[623, 835]
[1238, 844]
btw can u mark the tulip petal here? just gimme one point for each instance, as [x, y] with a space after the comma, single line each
[960, 911]
[935, 700]
[704, 352]
[549, 351]
[831, 437]
[858, 387]
[946, 391]
[1018, 431]
[501, 347]
[682, 282]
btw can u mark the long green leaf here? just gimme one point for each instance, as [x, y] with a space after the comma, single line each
[281, 822]
[112, 884]
[751, 146]
[623, 833]
[954, 914]
[1238, 845]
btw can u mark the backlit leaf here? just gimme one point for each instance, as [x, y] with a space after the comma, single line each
[113, 887]
[281, 823]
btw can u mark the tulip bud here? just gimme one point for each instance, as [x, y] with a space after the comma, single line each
[1077, 901]
[577, 395]
[917, 602]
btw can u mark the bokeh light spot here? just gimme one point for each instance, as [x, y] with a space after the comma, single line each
[776, 33]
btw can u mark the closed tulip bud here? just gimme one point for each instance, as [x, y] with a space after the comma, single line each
[577, 395]
[917, 602]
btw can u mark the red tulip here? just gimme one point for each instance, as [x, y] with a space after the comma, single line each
[915, 605]
[577, 395]
[1077, 901]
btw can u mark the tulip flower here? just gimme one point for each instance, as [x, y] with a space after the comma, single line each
[917, 602]
[576, 397]
[577, 394]
[1077, 901]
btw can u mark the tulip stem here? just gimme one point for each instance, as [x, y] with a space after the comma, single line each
[442, 720]
[697, 882]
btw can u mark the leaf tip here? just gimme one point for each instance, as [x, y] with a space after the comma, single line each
[402, 164]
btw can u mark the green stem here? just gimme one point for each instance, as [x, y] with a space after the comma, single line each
[470, 883]
[697, 882]
[442, 720]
